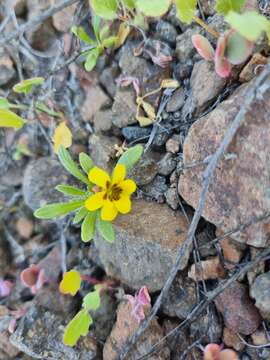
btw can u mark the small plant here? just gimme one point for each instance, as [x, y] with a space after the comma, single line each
[215, 352]
[103, 198]
[79, 325]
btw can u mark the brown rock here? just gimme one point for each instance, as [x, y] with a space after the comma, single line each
[239, 313]
[255, 271]
[7, 350]
[207, 269]
[6, 69]
[239, 190]
[124, 108]
[146, 245]
[173, 144]
[232, 251]
[259, 337]
[124, 328]
[24, 227]
[63, 20]
[232, 340]
[95, 100]
[103, 120]
[253, 67]
[176, 101]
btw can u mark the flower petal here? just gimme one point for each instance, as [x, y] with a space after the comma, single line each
[123, 205]
[108, 211]
[119, 174]
[128, 186]
[99, 177]
[95, 201]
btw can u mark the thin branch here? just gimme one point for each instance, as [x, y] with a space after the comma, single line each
[38, 20]
[208, 175]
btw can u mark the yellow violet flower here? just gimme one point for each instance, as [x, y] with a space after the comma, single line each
[114, 193]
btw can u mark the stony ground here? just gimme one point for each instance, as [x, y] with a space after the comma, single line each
[101, 114]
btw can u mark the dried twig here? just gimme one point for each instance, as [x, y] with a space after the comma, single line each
[253, 92]
[38, 20]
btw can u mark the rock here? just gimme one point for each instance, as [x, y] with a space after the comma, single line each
[103, 120]
[107, 79]
[132, 133]
[39, 181]
[172, 199]
[102, 150]
[207, 269]
[232, 251]
[183, 70]
[232, 340]
[216, 22]
[181, 298]
[156, 189]
[24, 227]
[259, 337]
[7, 350]
[176, 101]
[255, 271]
[124, 108]
[142, 253]
[146, 169]
[208, 325]
[19, 7]
[63, 20]
[163, 133]
[40, 335]
[208, 7]
[173, 144]
[239, 313]
[184, 48]
[124, 328]
[165, 31]
[238, 192]
[253, 67]
[260, 291]
[204, 237]
[7, 71]
[206, 85]
[167, 164]
[95, 99]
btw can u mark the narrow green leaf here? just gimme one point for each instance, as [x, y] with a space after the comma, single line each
[225, 6]
[105, 229]
[109, 42]
[106, 9]
[250, 24]
[104, 32]
[186, 9]
[44, 108]
[82, 35]
[86, 162]
[78, 326]
[91, 59]
[70, 165]
[88, 226]
[131, 156]
[92, 301]
[27, 85]
[10, 119]
[153, 8]
[52, 211]
[96, 21]
[4, 104]
[70, 190]
[80, 215]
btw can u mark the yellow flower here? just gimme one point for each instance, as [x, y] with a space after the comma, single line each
[114, 194]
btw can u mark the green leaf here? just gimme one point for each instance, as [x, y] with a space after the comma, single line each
[92, 301]
[10, 119]
[52, 211]
[109, 42]
[238, 48]
[26, 86]
[78, 326]
[4, 104]
[86, 162]
[70, 165]
[186, 9]
[80, 215]
[225, 6]
[131, 4]
[105, 229]
[104, 32]
[70, 190]
[96, 21]
[106, 9]
[44, 108]
[131, 156]
[88, 226]
[153, 8]
[91, 59]
[82, 35]
[250, 24]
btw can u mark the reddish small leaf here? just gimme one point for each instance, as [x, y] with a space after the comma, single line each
[223, 67]
[33, 277]
[203, 46]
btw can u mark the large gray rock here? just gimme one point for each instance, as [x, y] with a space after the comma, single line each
[260, 291]
[239, 191]
[146, 245]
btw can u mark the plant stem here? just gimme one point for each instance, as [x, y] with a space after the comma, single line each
[210, 30]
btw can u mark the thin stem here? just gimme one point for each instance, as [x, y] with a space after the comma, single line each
[206, 27]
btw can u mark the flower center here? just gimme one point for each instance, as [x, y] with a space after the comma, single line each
[113, 192]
